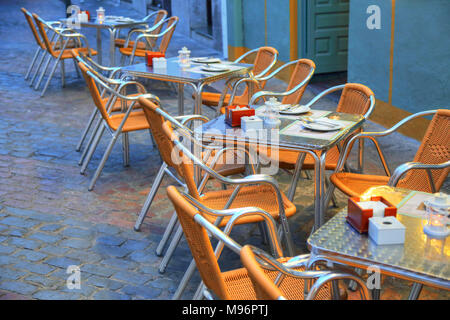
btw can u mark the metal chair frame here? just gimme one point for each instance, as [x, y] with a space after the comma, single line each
[115, 134]
[267, 261]
[64, 33]
[148, 35]
[400, 170]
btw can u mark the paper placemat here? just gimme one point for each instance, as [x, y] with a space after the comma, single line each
[412, 205]
[315, 114]
[297, 129]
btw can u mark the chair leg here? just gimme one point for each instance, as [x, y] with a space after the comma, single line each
[91, 139]
[173, 244]
[86, 129]
[184, 281]
[27, 75]
[50, 77]
[165, 238]
[333, 196]
[198, 295]
[47, 63]
[126, 149]
[151, 196]
[76, 68]
[63, 74]
[36, 72]
[92, 148]
[103, 161]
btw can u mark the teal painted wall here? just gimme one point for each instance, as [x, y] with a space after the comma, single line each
[421, 60]
[246, 25]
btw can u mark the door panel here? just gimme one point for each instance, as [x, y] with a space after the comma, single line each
[325, 33]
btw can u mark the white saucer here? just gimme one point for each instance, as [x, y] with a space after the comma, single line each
[299, 109]
[317, 126]
[215, 69]
[205, 60]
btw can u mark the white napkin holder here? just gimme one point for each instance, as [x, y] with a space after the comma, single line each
[159, 63]
[251, 123]
[386, 230]
[82, 17]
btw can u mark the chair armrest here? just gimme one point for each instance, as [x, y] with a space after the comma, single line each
[405, 167]
[235, 215]
[325, 93]
[251, 79]
[322, 280]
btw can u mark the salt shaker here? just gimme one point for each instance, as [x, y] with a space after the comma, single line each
[271, 120]
[100, 15]
[183, 57]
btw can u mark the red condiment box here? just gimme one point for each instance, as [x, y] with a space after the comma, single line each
[358, 218]
[233, 117]
[152, 54]
[88, 14]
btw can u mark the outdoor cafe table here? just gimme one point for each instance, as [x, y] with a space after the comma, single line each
[111, 24]
[292, 137]
[193, 76]
[420, 259]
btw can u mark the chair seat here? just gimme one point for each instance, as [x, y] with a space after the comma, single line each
[67, 54]
[136, 121]
[138, 53]
[121, 42]
[240, 287]
[57, 45]
[355, 184]
[260, 196]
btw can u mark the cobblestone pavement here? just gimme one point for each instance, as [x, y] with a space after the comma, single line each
[48, 219]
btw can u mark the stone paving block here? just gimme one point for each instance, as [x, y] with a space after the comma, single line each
[54, 250]
[4, 249]
[38, 268]
[110, 240]
[144, 257]
[18, 287]
[48, 238]
[62, 262]
[110, 295]
[30, 255]
[105, 228]
[18, 222]
[111, 251]
[145, 292]
[55, 295]
[84, 256]
[25, 243]
[77, 233]
[51, 227]
[97, 270]
[11, 274]
[42, 281]
[14, 232]
[132, 277]
[136, 244]
[76, 243]
[102, 282]
[120, 263]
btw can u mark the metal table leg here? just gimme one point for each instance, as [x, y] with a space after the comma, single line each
[296, 177]
[181, 99]
[322, 188]
[99, 46]
[112, 47]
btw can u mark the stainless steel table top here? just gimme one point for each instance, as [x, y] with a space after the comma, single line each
[218, 128]
[175, 73]
[420, 258]
[110, 23]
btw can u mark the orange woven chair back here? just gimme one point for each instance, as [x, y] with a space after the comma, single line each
[265, 289]
[159, 16]
[355, 99]
[199, 243]
[29, 19]
[167, 149]
[168, 36]
[434, 149]
[302, 69]
[43, 33]
[93, 89]
[264, 57]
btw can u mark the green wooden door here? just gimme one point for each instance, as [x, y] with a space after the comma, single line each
[324, 30]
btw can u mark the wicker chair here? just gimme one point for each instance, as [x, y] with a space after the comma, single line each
[427, 172]
[133, 51]
[237, 284]
[265, 59]
[41, 45]
[159, 15]
[62, 54]
[129, 120]
[357, 99]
